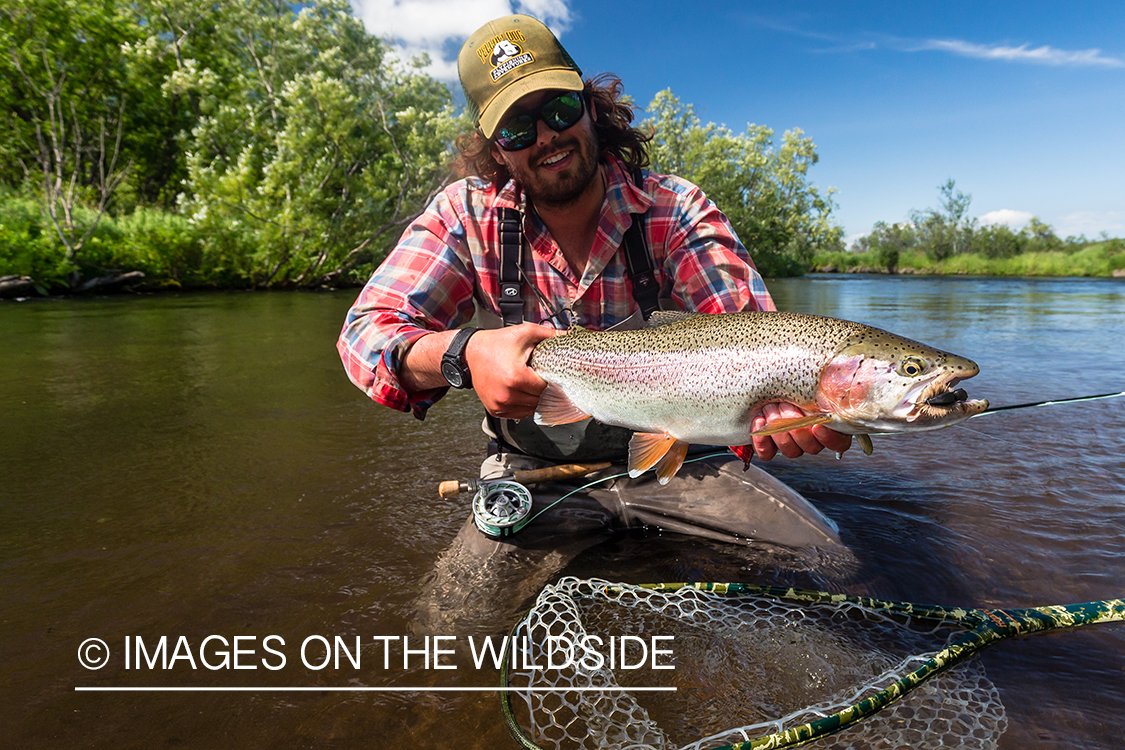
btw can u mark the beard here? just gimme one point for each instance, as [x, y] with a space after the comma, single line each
[560, 189]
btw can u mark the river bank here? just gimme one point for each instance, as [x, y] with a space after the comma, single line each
[1104, 259]
[22, 288]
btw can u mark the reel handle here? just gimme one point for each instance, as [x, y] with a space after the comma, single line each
[453, 487]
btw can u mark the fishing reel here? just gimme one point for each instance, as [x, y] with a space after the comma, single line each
[501, 508]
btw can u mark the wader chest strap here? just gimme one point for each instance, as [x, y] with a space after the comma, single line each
[511, 258]
[638, 263]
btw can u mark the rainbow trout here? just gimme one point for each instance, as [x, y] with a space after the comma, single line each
[693, 378]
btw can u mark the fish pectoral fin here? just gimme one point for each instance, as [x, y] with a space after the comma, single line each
[556, 408]
[865, 443]
[793, 423]
[671, 462]
[646, 449]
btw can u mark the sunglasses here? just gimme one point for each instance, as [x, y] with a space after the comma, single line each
[521, 131]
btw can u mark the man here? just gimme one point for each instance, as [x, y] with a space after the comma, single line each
[560, 226]
[562, 154]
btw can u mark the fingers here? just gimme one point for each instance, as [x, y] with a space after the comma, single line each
[837, 442]
[794, 443]
[498, 359]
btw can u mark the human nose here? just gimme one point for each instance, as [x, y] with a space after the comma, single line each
[545, 133]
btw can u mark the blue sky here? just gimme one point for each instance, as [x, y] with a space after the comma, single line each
[1023, 104]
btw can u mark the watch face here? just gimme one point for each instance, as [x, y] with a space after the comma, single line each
[452, 373]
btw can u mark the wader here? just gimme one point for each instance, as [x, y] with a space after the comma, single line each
[479, 577]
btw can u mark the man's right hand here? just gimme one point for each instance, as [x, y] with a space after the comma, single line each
[497, 359]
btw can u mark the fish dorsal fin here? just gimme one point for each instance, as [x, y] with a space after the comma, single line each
[646, 448]
[671, 462]
[667, 317]
[794, 423]
[555, 408]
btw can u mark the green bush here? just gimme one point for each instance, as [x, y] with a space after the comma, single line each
[27, 246]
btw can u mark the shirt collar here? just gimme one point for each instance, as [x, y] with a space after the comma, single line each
[622, 196]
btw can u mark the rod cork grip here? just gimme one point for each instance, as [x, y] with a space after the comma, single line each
[452, 488]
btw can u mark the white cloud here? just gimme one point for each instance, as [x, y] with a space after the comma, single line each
[1088, 223]
[1045, 55]
[1009, 217]
[439, 27]
[1091, 224]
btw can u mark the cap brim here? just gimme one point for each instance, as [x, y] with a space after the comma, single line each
[563, 79]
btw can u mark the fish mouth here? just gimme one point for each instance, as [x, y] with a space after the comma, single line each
[938, 399]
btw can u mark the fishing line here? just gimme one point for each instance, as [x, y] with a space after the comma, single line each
[994, 409]
[614, 476]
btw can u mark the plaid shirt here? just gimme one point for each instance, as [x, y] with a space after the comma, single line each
[448, 261]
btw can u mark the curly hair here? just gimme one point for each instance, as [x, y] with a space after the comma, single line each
[616, 135]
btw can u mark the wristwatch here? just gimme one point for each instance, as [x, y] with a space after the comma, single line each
[453, 365]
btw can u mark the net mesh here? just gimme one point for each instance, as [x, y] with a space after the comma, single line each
[744, 667]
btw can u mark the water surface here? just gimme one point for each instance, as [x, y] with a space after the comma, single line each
[199, 465]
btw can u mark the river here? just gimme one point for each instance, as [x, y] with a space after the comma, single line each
[198, 465]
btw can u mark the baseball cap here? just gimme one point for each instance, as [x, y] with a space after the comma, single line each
[507, 59]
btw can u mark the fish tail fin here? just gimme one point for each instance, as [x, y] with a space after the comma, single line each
[671, 462]
[646, 449]
[556, 408]
[794, 423]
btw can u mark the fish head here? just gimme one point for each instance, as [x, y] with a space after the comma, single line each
[878, 382]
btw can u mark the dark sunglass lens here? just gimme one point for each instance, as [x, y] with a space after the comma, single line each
[563, 111]
[518, 133]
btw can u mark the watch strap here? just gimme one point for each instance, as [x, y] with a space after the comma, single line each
[455, 355]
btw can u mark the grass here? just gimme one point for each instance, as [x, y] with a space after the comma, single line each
[1099, 259]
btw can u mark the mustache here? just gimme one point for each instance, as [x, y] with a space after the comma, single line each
[556, 147]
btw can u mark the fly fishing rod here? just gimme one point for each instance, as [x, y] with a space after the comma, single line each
[582, 698]
[994, 409]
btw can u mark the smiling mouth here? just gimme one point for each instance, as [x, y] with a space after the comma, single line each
[554, 158]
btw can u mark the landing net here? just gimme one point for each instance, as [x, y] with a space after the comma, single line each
[746, 667]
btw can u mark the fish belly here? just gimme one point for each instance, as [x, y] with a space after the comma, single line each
[699, 397]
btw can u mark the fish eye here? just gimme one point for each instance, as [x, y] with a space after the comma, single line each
[912, 367]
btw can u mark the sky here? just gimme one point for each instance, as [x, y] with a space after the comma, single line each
[1022, 104]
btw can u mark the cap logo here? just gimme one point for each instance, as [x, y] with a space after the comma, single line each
[504, 53]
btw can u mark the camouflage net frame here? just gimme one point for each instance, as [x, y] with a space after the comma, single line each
[745, 655]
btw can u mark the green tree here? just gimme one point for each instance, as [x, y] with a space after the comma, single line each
[312, 144]
[998, 241]
[1041, 236]
[949, 231]
[66, 86]
[887, 242]
[764, 190]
